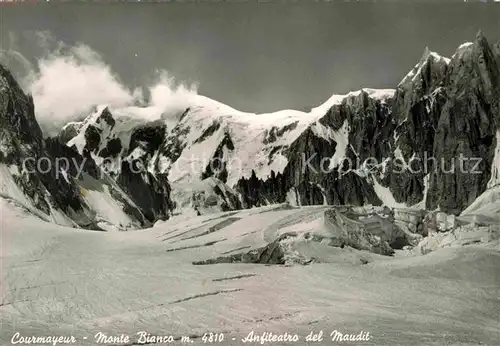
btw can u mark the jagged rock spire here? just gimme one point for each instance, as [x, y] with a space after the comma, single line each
[426, 54]
[481, 42]
[480, 35]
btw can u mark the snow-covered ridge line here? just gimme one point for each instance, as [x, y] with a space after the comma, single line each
[212, 108]
[378, 94]
[245, 128]
[253, 142]
[258, 151]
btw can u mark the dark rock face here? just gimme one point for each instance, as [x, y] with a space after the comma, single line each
[69, 132]
[149, 137]
[150, 191]
[417, 104]
[467, 127]
[113, 148]
[217, 166]
[208, 132]
[370, 122]
[22, 139]
[175, 143]
[146, 187]
[40, 178]
[451, 115]
[272, 253]
[308, 171]
[254, 191]
[86, 164]
[274, 133]
[92, 138]
[52, 174]
[230, 199]
[67, 194]
[107, 117]
[441, 112]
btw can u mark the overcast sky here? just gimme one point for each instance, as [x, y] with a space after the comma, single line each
[258, 57]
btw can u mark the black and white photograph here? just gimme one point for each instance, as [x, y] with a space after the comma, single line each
[209, 172]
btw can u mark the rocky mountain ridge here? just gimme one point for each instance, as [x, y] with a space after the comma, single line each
[380, 147]
[74, 191]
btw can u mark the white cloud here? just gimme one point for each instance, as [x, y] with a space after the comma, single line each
[68, 82]
[169, 97]
[67, 86]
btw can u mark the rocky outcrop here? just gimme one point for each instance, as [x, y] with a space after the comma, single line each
[371, 232]
[217, 166]
[22, 146]
[466, 128]
[49, 174]
[442, 111]
[272, 253]
[128, 154]
[149, 189]
[323, 163]
[208, 196]
[417, 104]
[398, 148]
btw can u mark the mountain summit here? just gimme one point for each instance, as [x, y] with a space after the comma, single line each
[395, 147]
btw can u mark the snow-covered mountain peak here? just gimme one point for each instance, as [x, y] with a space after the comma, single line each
[209, 131]
[206, 109]
[428, 58]
[201, 153]
[464, 45]
[203, 111]
[462, 50]
[201, 102]
[262, 152]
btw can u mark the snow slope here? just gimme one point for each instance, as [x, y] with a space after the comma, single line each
[488, 203]
[63, 281]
